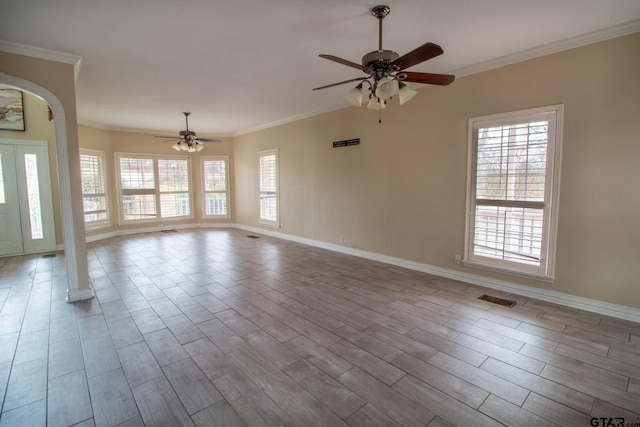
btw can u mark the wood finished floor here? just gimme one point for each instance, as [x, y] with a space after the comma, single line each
[211, 328]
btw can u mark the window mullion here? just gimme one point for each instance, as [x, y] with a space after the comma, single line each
[510, 203]
[512, 191]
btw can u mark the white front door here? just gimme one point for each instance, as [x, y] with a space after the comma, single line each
[10, 234]
[26, 206]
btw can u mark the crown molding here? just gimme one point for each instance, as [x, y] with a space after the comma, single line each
[109, 128]
[627, 28]
[620, 30]
[93, 124]
[291, 119]
[41, 53]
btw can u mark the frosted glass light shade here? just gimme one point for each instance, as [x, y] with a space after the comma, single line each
[376, 104]
[405, 93]
[386, 88]
[354, 96]
[176, 146]
[199, 147]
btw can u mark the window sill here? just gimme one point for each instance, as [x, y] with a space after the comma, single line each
[269, 224]
[156, 221]
[504, 270]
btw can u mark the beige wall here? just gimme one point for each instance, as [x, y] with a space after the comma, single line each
[112, 142]
[57, 81]
[402, 192]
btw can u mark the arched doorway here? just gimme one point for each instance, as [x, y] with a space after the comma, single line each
[78, 282]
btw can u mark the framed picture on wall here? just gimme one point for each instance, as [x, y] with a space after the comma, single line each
[11, 112]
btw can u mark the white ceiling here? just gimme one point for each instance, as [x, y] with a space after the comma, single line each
[241, 65]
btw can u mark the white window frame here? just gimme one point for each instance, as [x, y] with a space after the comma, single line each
[93, 225]
[546, 269]
[155, 191]
[226, 192]
[272, 194]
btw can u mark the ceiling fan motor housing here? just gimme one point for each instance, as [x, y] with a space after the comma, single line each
[380, 62]
[187, 133]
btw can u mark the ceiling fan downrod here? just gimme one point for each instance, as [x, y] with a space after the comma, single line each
[380, 12]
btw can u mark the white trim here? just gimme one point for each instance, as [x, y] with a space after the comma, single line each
[503, 270]
[513, 58]
[546, 269]
[267, 222]
[290, 119]
[619, 30]
[97, 225]
[110, 234]
[64, 177]
[203, 192]
[42, 53]
[550, 48]
[74, 295]
[156, 191]
[600, 307]
[595, 306]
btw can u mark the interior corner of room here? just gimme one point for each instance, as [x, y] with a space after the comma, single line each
[400, 195]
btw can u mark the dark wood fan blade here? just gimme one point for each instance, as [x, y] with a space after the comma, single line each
[209, 140]
[429, 78]
[166, 137]
[340, 83]
[341, 61]
[420, 54]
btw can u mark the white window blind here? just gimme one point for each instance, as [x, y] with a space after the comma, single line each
[512, 191]
[153, 187]
[215, 183]
[268, 168]
[174, 187]
[94, 194]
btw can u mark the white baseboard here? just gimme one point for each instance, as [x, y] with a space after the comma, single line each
[601, 307]
[74, 295]
[97, 237]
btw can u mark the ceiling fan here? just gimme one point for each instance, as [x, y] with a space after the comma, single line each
[188, 140]
[385, 71]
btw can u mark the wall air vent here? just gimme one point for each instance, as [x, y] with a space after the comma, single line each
[346, 143]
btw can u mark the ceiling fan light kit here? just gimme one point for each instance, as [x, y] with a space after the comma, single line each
[405, 93]
[188, 141]
[385, 69]
[376, 103]
[355, 96]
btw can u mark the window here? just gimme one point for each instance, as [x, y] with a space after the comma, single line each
[512, 191]
[33, 195]
[268, 167]
[153, 187]
[94, 194]
[215, 180]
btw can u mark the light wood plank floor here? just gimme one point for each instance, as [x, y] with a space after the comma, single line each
[212, 328]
